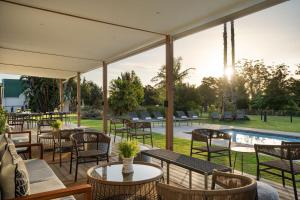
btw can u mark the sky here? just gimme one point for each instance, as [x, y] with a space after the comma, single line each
[271, 35]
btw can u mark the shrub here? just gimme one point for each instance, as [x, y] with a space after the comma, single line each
[91, 113]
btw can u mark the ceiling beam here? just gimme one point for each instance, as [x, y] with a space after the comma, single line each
[50, 54]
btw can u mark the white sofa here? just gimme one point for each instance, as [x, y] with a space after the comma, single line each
[41, 182]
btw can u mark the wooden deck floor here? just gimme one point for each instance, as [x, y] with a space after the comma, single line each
[178, 175]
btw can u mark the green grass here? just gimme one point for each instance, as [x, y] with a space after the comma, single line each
[183, 145]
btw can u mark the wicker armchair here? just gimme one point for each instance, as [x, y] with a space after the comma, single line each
[205, 136]
[284, 156]
[62, 142]
[234, 187]
[89, 147]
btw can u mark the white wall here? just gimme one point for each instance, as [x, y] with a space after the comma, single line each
[8, 102]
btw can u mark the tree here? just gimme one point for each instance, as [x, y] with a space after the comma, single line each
[178, 74]
[70, 93]
[42, 94]
[126, 93]
[255, 74]
[91, 94]
[151, 96]
[277, 94]
[208, 91]
[186, 97]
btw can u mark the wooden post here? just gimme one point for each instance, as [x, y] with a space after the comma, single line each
[105, 101]
[78, 99]
[61, 95]
[169, 92]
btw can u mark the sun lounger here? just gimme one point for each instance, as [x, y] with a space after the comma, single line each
[133, 116]
[181, 116]
[215, 116]
[193, 116]
[227, 116]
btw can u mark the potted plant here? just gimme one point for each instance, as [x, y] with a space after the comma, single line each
[128, 150]
[3, 120]
[56, 126]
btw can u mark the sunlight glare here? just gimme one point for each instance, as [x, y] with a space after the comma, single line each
[228, 72]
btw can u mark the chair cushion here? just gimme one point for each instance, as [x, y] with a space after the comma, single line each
[281, 165]
[38, 170]
[266, 192]
[91, 153]
[211, 148]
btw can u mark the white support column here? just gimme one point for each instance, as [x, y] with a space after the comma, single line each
[105, 100]
[78, 99]
[169, 92]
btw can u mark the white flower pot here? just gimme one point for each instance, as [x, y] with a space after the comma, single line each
[127, 165]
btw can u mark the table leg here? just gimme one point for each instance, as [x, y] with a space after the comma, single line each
[168, 173]
[205, 181]
[190, 179]
[242, 163]
[234, 161]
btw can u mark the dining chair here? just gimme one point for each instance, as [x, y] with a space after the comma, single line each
[89, 147]
[205, 136]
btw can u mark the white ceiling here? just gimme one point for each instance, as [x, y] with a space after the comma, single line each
[42, 43]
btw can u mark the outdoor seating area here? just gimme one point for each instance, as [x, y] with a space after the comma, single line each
[139, 100]
[180, 175]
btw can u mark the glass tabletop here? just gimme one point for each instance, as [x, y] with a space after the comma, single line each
[113, 173]
[243, 149]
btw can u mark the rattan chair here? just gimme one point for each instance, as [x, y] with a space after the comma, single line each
[140, 130]
[233, 187]
[205, 136]
[117, 127]
[62, 142]
[44, 133]
[284, 156]
[89, 147]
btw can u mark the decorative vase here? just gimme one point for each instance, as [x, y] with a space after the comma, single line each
[127, 165]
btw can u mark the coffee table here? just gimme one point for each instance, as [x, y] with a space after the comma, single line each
[241, 150]
[108, 182]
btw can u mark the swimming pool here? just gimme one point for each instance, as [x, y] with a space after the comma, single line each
[252, 137]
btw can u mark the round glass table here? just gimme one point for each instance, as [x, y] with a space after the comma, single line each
[108, 182]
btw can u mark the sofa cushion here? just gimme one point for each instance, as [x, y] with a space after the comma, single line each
[48, 185]
[22, 186]
[13, 175]
[38, 170]
[3, 143]
[7, 175]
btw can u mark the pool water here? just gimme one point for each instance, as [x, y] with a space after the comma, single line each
[252, 137]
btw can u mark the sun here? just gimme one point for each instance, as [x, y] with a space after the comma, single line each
[228, 72]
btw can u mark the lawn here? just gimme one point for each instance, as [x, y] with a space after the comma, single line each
[183, 145]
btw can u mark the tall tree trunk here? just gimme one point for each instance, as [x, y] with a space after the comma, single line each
[225, 66]
[233, 80]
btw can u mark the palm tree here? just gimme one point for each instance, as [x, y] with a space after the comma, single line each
[178, 75]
